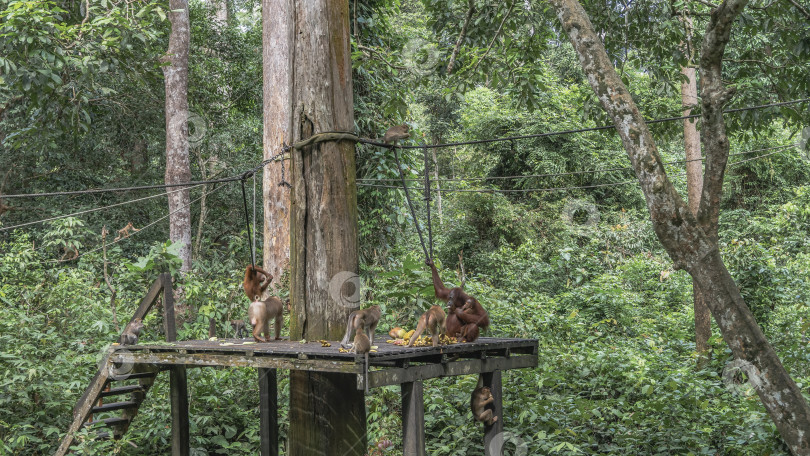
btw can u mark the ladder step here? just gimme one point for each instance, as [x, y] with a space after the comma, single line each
[136, 375]
[122, 390]
[114, 406]
[109, 422]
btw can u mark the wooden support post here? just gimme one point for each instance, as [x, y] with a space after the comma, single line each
[268, 412]
[493, 435]
[169, 325]
[413, 419]
[179, 396]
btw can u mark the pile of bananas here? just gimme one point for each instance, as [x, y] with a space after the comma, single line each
[403, 337]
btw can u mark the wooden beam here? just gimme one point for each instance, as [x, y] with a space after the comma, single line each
[178, 385]
[413, 419]
[394, 376]
[493, 435]
[169, 323]
[148, 300]
[237, 360]
[268, 411]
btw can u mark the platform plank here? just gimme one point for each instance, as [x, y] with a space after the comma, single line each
[482, 348]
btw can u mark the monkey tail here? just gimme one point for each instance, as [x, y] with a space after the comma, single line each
[420, 327]
[365, 374]
[346, 336]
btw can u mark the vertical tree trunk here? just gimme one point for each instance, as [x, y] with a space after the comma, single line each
[327, 412]
[277, 45]
[462, 34]
[178, 168]
[683, 237]
[694, 186]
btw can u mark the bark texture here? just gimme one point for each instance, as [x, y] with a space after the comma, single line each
[327, 413]
[178, 167]
[676, 227]
[694, 186]
[277, 45]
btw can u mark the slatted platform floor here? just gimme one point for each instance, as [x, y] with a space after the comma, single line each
[390, 364]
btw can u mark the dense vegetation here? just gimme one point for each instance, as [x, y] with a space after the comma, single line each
[575, 264]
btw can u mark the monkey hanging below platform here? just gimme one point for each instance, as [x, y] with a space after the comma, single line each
[479, 399]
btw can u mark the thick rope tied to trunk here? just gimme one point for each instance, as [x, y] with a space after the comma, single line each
[410, 205]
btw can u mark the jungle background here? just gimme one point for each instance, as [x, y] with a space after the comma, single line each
[551, 233]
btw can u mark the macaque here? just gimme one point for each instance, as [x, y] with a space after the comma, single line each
[131, 333]
[5, 208]
[433, 320]
[260, 313]
[480, 398]
[362, 345]
[366, 319]
[238, 328]
[254, 285]
[457, 299]
[124, 232]
[395, 133]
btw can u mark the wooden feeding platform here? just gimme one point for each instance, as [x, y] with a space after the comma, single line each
[389, 365]
[128, 371]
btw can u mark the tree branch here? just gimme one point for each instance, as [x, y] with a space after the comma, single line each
[671, 218]
[378, 55]
[461, 35]
[714, 96]
[799, 7]
[497, 33]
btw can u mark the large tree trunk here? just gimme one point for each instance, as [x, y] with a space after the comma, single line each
[277, 38]
[689, 246]
[694, 186]
[178, 168]
[327, 412]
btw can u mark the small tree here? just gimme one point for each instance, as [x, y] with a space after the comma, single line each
[689, 240]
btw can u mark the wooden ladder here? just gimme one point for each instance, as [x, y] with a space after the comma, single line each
[127, 383]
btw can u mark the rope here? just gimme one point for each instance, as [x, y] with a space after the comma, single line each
[277, 157]
[583, 130]
[143, 227]
[96, 209]
[525, 190]
[410, 205]
[253, 247]
[427, 202]
[570, 173]
[247, 221]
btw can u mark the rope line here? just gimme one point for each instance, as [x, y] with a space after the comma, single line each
[427, 203]
[579, 130]
[570, 173]
[253, 246]
[143, 227]
[96, 209]
[277, 157]
[410, 205]
[247, 222]
[525, 190]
